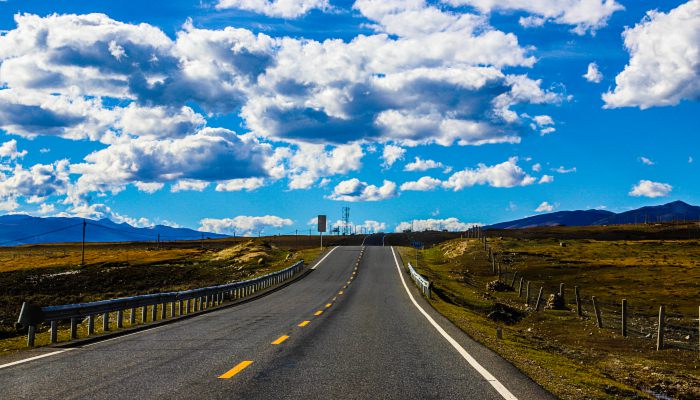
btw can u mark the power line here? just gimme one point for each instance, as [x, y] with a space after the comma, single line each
[41, 234]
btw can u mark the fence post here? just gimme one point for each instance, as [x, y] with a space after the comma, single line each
[579, 311]
[527, 294]
[31, 333]
[74, 328]
[561, 292]
[512, 283]
[624, 317]
[539, 299]
[596, 310]
[662, 326]
[520, 288]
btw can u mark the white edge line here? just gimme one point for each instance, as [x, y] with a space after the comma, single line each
[471, 360]
[324, 257]
[33, 358]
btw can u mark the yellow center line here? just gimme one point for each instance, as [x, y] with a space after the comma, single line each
[233, 371]
[280, 339]
[334, 299]
[341, 292]
[303, 324]
[329, 305]
[319, 312]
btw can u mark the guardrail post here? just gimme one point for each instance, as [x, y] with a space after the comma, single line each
[154, 312]
[596, 310]
[172, 309]
[662, 326]
[179, 307]
[54, 331]
[91, 325]
[132, 316]
[120, 319]
[201, 303]
[624, 317]
[429, 290]
[105, 322]
[144, 314]
[163, 311]
[31, 334]
[74, 328]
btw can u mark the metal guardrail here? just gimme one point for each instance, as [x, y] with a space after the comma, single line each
[187, 301]
[422, 283]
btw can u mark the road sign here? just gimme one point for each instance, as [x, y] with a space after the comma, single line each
[321, 223]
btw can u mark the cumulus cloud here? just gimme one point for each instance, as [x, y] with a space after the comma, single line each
[353, 190]
[504, 175]
[584, 15]
[275, 8]
[307, 163]
[563, 170]
[546, 179]
[243, 225]
[184, 185]
[423, 184]
[423, 165]
[537, 167]
[646, 188]
[392, 154]
[211, 154]
[450, 224]
[664, 66]
[36, 183]
[593, 74]
[544, 207]
[236, 185]
[9, 150]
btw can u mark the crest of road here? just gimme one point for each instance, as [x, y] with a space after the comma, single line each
[346, 330]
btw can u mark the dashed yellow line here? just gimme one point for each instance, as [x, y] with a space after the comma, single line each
[319, 312]
[329, 305]
[303, 324]
[233, 371]
[281, 339]
[341, 292]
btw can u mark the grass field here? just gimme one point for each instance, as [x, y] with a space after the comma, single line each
[571, 356]
[51, 274]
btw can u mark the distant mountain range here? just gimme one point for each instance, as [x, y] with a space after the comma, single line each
[675, 211]
[18, 229]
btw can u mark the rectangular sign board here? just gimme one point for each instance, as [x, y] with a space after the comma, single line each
[321, 223]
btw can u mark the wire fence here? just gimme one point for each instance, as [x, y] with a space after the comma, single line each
[642, 321]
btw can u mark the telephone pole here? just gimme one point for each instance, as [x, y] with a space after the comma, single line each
[82, 259]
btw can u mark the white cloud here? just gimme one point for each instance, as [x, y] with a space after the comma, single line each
[275, 8]
[137, 222]
[184, 185]
[371, 226]
[563, 170]
[35, 183]
[149, 187]
[544, 207]
[236, 185]
[505, 175]
[584, 15]
[646, 161]
[450, 224]
[423, 184]
[423, 165]
[243, 225]
[353, 190]
[537, 167]
[9, 150]
[664, 58]
[593, 74]
[646, 188]
[311, 162]
[392, 154]
[546, 179]
[46, 208]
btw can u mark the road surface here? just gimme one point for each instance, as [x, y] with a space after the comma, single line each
[338, 333]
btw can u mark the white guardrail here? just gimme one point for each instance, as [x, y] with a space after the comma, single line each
[186, 302]
[422, 283]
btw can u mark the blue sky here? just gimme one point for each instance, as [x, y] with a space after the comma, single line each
[246, 116]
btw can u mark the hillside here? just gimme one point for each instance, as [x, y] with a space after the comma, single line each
[18, 229]
[675, 211]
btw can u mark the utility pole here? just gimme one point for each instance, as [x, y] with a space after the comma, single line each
[82, 259]
[158, 243]
[202, 240]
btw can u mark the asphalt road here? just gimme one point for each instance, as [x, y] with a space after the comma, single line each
[370, 340]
